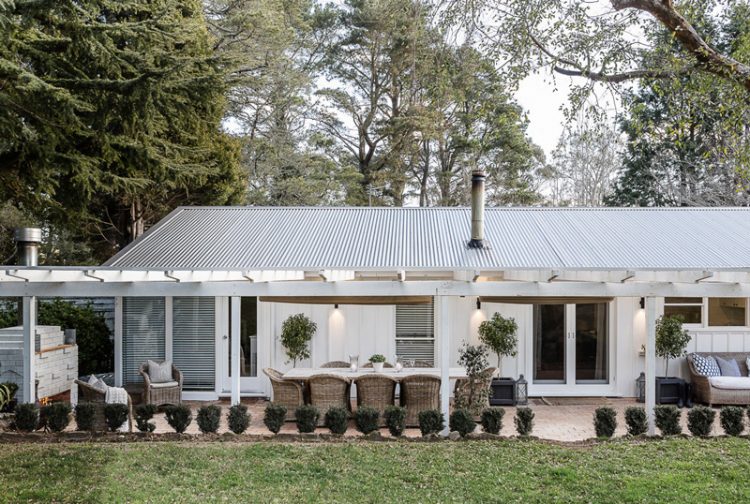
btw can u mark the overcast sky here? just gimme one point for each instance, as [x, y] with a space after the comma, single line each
[537, 95]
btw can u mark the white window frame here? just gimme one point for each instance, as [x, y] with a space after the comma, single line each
[704, 315]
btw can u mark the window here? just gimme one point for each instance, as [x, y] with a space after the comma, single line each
[727, 312]
[193, 340]
[415, 332]
[689, 308]
[143, 334]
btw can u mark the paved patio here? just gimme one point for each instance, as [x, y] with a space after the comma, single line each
[558, 419]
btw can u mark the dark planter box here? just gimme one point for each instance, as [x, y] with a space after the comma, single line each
[670, 390]
[503, 392]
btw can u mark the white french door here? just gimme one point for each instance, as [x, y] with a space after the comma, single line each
[250, 346]
[572, 350]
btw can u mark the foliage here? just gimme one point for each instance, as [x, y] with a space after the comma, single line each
[605, 422]
[524, 421]
[115, 415]
[395, 419]
[492, 420]
[473, 358]
[208, 419]
[462, 422]
[337, 419]
[7, 394]
[473, 393]
[500, 335]
[671, 339]
[274, 417]
[667, 419]
[636, 420]
[56, 416]
[430, 422]
[85, 414]
[307, 417]
[144, 413]
[366, 419]
[27, 417]
[179, 417]
[375, 358]
[238, 418]
[296, 333]
[700, 420]
[111, 116]
[732, 420]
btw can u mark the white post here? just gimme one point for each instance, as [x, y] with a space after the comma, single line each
[118, 341]
[650, 362]
[445, 360]
[29, 349]
[168, 341]
[235, 350]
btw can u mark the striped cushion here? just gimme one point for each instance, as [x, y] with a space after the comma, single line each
[706, 366]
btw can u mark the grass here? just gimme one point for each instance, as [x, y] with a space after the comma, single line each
[673, 470]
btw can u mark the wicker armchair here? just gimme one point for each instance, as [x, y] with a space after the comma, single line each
[369, 365]
[89, 394]
[422, 364]
[473, 395]
[287, 393]
[335, 364]
[160, 394]
[705, 392]
[419, 393]
[327, 391]
[376, 391]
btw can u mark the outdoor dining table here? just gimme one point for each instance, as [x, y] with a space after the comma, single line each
[304, 374]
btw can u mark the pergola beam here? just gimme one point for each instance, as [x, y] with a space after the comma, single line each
[704, 276]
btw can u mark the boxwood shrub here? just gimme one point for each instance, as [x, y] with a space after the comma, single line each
[115, 415]
[274, 417]
[395, 420]
[238, 418]
[366, 419]
[524, 421]
[605, 422]
[208, 419]
[56, 416]
[732, 420]
[144, 413]
[636, 420]
[27, 417]
[431, 422]
[307, 417]
[462, 422]
[492, 420]
[179, 417]
[667, 419]
[337, 419]
[84, 414]
[700, 419]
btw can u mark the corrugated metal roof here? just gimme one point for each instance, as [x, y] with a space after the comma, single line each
[315, 238]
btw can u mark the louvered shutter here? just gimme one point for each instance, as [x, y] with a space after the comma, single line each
[193, 341]
[142, 334]
[415, 332]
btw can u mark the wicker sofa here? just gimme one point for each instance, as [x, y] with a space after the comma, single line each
[87, 393]
[725, 389]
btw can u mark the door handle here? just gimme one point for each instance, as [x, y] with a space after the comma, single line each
[226, 337]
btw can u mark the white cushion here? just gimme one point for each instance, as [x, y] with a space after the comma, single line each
[98, 384]
[174, 384]
[160, 372]
[730, 382]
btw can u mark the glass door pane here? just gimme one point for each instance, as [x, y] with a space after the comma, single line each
[248, 337]
[591, 343]
[549, 343]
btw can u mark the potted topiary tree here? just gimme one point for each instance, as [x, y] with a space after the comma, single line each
[671, 341]
[500, 336]
[296, 333]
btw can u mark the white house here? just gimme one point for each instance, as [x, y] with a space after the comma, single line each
[209, 287]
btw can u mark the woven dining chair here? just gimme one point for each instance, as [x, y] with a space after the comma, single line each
[376, 391]
[335, 364]
[419, 392]
[287, 393]
[385, 365]
[327, 391]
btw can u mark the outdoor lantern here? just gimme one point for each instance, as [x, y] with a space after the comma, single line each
[522, 391]
[479, 304]
[640, 387]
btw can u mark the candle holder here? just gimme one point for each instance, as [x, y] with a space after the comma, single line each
[353, 363]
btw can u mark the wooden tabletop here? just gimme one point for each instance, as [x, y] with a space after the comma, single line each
[303, 374]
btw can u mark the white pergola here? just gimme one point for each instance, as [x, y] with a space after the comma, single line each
[32, 282]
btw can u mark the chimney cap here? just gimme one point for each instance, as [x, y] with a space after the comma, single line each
[28, 235]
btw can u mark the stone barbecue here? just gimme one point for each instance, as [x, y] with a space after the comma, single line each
[56, 362]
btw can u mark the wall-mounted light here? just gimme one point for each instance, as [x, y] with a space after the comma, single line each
[336, 306]
[479, 304]
[642, 303]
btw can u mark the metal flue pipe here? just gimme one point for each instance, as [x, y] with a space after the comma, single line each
[477, 209]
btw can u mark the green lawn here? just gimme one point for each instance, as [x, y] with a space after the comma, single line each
[678, 470]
